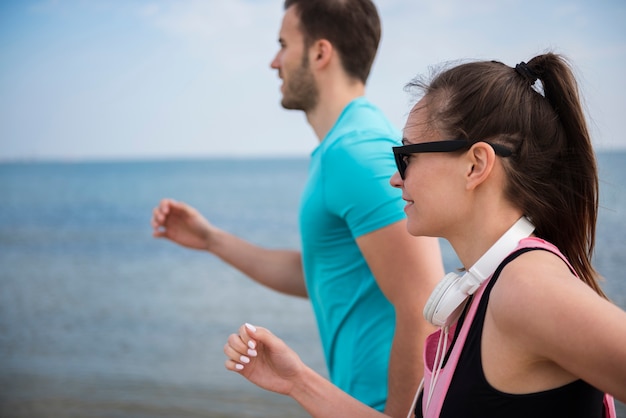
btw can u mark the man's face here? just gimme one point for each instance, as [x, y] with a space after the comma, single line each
[299, 89]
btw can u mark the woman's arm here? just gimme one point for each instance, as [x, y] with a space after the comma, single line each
[552, 317]
[269, 363]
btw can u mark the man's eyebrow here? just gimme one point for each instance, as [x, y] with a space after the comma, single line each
[405, 141]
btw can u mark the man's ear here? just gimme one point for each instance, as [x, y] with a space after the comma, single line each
[320, 53]
[480, 160]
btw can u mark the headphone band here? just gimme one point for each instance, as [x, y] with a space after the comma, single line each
[489, 262]
[449, 296]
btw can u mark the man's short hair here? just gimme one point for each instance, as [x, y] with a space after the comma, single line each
[351, 26]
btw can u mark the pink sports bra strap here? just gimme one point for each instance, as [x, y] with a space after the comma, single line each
[445, 377]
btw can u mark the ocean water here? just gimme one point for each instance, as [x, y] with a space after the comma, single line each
[99, 319]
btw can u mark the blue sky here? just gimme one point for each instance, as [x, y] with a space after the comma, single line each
[107, 79]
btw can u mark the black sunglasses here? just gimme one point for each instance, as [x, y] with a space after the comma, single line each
[401, 153]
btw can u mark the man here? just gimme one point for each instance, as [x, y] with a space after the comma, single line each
[364, 274]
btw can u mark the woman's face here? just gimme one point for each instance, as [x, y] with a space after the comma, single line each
[430, 180]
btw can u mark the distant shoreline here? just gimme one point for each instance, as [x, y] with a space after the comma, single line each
[89, 160]
[190, 158]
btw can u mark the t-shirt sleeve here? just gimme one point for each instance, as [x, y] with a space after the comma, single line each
[357, 187]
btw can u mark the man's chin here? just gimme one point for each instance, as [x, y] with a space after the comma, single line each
[289, 105]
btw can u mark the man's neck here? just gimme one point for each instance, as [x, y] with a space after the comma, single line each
[332, 102]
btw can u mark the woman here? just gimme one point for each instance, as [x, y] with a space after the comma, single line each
[505, 171]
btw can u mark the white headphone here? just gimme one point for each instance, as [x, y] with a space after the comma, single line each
[445, 304]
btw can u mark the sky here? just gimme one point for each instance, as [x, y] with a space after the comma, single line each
[160, 79]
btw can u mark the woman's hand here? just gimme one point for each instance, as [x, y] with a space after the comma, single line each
[263, 359]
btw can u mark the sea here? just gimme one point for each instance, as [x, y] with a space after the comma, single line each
[100, 319]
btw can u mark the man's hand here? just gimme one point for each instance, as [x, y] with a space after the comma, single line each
[181, 224]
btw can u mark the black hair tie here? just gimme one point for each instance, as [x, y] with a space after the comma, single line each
[527, 73]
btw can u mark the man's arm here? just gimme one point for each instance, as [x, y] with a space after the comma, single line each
[280, 270]
[407, 269]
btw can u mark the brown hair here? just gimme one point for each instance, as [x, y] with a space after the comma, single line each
[352, 26]
[552, 175]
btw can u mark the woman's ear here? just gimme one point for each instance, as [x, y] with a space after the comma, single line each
[480, 162]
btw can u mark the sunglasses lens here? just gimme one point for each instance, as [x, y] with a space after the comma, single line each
[400, 165]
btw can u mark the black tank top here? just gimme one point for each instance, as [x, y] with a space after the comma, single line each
[471, 396]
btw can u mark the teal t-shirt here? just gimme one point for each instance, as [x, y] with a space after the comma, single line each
[347, 195]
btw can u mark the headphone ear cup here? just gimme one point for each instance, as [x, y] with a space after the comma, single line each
[437, 295]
